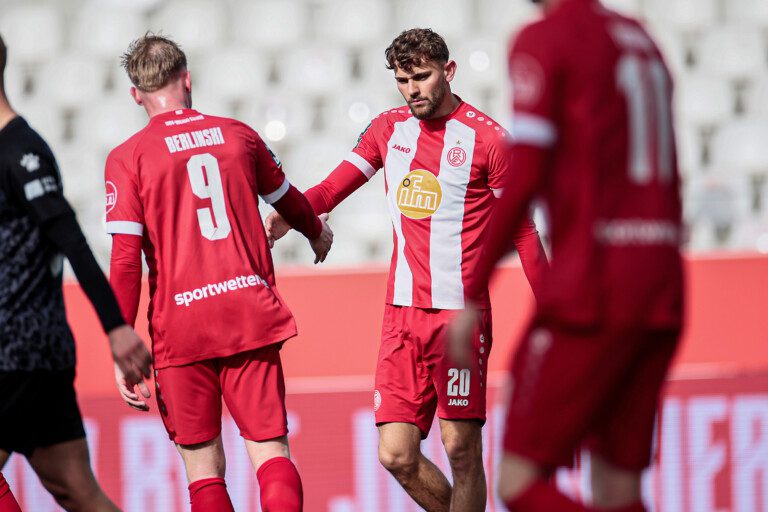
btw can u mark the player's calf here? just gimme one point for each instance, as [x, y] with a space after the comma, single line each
[463, 444]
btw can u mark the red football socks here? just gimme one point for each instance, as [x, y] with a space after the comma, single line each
[209, 495]
[7, 501]
[280, 486]
[540, 497]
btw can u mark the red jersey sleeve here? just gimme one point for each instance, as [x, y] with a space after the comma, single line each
[125, 214]
[354, 172]
[271, 182]
[498, 162]
[534, 71]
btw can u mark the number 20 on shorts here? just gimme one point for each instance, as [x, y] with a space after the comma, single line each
[462, 387]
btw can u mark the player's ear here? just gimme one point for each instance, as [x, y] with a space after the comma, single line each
[136, 96]
[188, 81]
[449, 70]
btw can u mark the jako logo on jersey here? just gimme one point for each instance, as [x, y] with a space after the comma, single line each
[401, 148]
[463, 402]
[419, 194]
[376, 400]
[30, 161]
[111, 196]
[456, 156]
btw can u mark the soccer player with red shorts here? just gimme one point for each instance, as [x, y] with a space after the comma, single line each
[185, 191]
[444, 161]
[593, 137]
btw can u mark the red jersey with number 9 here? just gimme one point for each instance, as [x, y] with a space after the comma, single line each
[590, 86]
[189, 184]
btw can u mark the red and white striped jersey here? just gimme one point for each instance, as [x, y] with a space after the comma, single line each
[440, 175]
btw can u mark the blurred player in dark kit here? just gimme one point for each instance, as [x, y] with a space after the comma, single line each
[39, 411]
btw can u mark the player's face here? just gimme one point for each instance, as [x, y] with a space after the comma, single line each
[425, 87]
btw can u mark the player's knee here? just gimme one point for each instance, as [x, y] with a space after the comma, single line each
[399, 460]
[75, 493]
[463, 453]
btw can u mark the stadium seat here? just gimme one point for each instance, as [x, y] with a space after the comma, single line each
[312, 159]
[45, 117]
[14, 81]
[271, 24]
[33, 32]
[756, 98]
[196, 25]
[272, 112]
[481, 61]
[316, 69]
[732, 52]
[71, 81]
[672, 46]
[117, 118]
[449, 18]
[684, 15]
[500, 18]
[740, 146]
[353, 22]
[348, 114]
[232, 74]
[690, 149]
[752, 12]
[628, 7]
[704, 101]
[106, 31]
[82, 170]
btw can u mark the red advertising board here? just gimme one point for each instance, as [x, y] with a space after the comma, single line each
[712, 435]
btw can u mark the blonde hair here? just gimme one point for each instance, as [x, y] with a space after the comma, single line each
[152, 61]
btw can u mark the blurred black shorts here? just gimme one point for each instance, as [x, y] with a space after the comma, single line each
[38, 408]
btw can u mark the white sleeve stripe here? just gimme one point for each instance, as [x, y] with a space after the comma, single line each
[361, 163]
[533, 130]
[497, 192]
[277, 194]
[125, 227]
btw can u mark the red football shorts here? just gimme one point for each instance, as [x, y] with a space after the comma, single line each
[415, 376]
[594, 387]
[251, 383]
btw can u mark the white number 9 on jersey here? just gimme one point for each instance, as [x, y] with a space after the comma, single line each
[200, 167]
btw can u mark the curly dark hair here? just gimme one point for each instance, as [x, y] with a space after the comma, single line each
[152, 61]
[414, 47]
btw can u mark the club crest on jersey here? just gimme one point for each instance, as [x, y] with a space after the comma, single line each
[419, 194]
[456, 156]
[111, 196]
[30, 161]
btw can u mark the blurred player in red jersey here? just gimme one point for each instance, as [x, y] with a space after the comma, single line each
[444, 161]
[185, 190]
[593, 137]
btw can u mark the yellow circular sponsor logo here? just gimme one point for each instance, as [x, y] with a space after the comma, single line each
[419, 194]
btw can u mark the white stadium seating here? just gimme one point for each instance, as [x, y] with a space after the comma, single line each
[310, 74]
[271, 24]
[732, 52]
